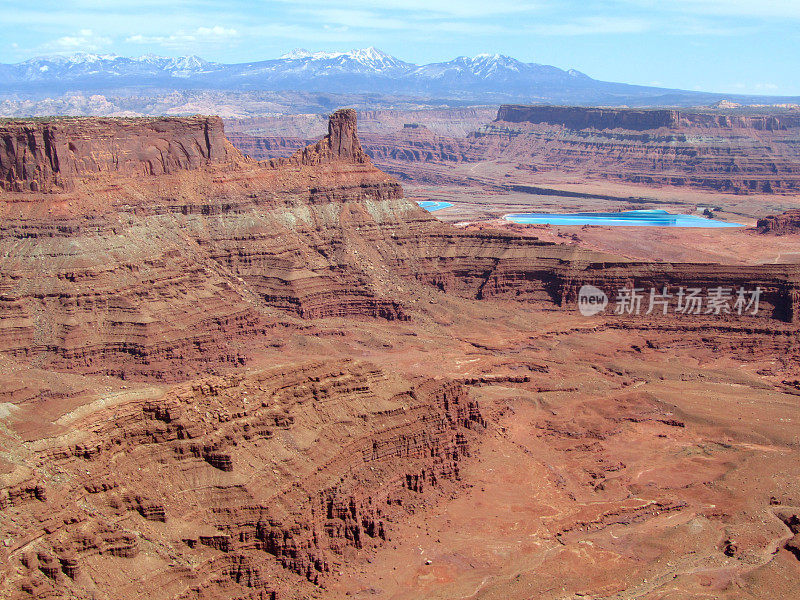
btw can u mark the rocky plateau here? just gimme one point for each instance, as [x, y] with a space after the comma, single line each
[225, 377]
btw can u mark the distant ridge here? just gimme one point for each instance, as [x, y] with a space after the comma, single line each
[488, 78]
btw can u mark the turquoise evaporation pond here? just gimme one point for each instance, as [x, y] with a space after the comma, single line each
[431, 205]
[630, 218]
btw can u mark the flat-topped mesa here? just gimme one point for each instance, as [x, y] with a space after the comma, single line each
[575, 117]
[578, 117]
[49, 155]
[729, 153]
[340, 145]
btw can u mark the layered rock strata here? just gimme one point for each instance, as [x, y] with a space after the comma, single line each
[46, 155]
[254, 482]
[721, 152]
[242, 486]
[150, 275]
[725, 152]
[574, 117]
[164, 276]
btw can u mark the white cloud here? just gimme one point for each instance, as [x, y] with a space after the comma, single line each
[84, 40]
[179, 38]
[356, 18]
[216, 31]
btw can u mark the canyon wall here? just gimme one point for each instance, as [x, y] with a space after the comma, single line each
[42, 155]
[265, 147]
[575, 117]
[726, 153]
[161, 277]
[413, 144]
[490, 265]
[451, 122]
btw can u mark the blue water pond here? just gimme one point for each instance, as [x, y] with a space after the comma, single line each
[431, 205]
[630, 218]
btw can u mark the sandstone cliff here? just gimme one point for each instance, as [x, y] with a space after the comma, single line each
[574, 117]
[725, 152]
[165, 276]
[722, 152]
[45, 155]
[342, 451]
[341, 144]
[160, 275]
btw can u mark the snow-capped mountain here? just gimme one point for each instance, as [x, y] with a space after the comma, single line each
[495, 72]
[100, 69]
[485, 77]
[365, 59]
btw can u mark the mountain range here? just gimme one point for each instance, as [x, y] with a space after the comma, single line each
[485, 77]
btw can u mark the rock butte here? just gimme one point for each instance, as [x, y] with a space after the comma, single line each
[247, 455]
[787, 222]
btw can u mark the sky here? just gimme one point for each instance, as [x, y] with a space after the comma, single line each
[729, 46]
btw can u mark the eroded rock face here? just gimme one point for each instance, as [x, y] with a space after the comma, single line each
[574, 117]
[733, 153]
[341, 450]
[182, 268]
[166, 276]
[729, 153]
[266, 147]
[341, 144]
[788, 222]
[408, 153]
[48, 155]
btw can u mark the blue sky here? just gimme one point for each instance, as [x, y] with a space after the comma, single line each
[733, 46]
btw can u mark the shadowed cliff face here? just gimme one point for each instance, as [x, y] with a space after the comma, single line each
[50, 155]
[574, 117]
[584, 118]
[788, 222]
